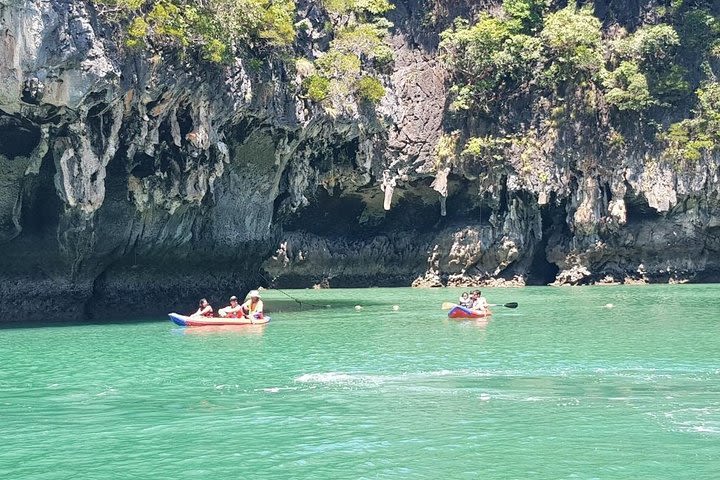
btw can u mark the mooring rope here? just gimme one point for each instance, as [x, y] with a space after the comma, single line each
[290, 296]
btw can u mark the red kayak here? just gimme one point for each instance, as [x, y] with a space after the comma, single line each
[185, 321]
[461, 312]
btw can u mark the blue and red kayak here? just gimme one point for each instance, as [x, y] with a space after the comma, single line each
[185, 321]
[462, 312]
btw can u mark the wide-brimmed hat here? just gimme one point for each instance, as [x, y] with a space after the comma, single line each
[254, 293]
[233, 298]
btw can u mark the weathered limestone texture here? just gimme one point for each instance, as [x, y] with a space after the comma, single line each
[136, 182]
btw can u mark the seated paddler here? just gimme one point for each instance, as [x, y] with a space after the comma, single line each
[253, 306]
[204, 309]
[480, 303]
[234, 310]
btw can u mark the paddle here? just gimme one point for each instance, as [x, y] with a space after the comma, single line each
[506, 305]
[448, 305]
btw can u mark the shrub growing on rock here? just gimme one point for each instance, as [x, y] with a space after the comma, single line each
[628, 88]
[316, 87]
[369, 88]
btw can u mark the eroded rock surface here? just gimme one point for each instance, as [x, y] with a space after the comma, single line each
[135, 183]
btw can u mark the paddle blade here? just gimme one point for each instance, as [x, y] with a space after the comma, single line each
[511, 305]
[447, 306]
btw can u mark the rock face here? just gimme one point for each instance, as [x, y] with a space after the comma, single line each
[135, 184]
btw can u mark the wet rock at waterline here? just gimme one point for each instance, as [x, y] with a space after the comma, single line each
[144, 180]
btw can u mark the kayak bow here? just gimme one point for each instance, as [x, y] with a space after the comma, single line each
[461, 312]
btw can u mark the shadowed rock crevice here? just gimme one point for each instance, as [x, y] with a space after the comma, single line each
[136, 182]
[18, 137]
[41, 206]
[542, 271]
[638, 209]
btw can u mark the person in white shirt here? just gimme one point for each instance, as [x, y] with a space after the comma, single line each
[479, 303]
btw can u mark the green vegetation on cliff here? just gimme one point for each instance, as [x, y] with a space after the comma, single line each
[376, 7]
[357, 49]
[689, 139]
[218, 29]
[211, 26]
[528, 54]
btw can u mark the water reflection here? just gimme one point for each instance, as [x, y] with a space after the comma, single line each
[244, 330]
[480, 323]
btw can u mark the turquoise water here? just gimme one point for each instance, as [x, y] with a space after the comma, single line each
[561, 387]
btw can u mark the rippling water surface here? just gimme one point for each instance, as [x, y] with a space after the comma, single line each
[561, 387]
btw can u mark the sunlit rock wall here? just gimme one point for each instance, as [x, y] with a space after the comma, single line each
[132, 184]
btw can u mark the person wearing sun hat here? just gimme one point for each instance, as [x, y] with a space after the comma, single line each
[253, 307]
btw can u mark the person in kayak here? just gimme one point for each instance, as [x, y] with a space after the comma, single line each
[465, 300]
[233, 310]
[253, 307]
[479, 302]
[204, 309]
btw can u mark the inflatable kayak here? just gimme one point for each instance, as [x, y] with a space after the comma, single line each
[461, 312]
[185, 321]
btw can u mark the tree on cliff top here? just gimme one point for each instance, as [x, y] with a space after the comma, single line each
[213, 26]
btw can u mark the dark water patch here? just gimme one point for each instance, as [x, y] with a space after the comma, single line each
[53, 321]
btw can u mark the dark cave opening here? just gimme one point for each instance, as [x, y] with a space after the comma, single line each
[606, 192]
[503, 207]
[347, 153]
[100, 120]
[18, 138]
[165, 136]
[328, 215]
[42, 207]
[277, 206]
[465, 203]
[541, 271]
[185, 121]
[242, 130]
[336, 156]
[144, 165]
[412, 213]
[349, 214]
[638, 209]
[169, 160]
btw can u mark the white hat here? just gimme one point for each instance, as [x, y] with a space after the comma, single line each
[254, 293]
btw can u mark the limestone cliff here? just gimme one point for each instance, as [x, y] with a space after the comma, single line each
[136, 182]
